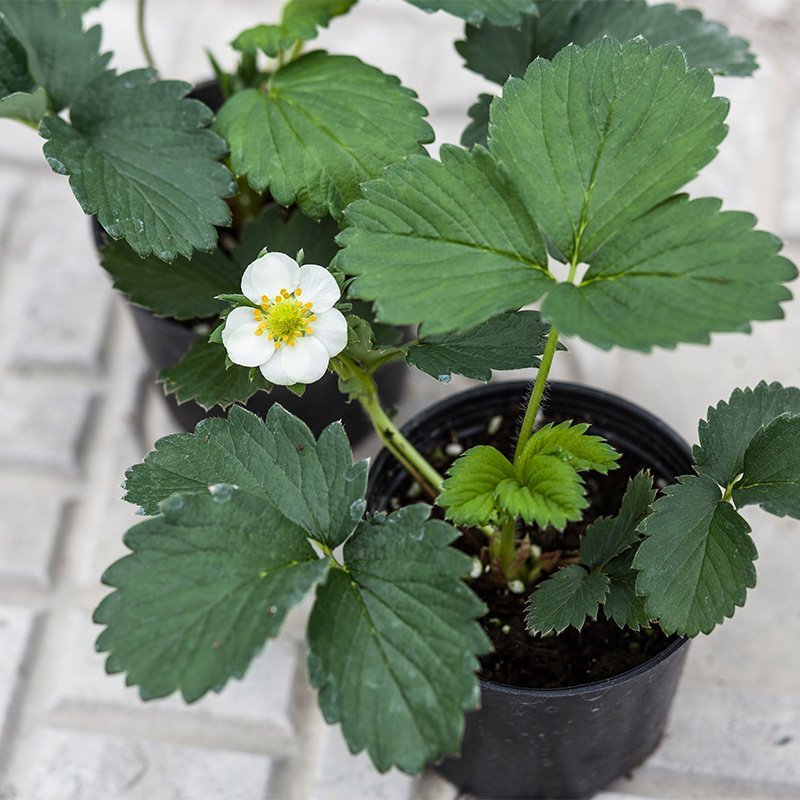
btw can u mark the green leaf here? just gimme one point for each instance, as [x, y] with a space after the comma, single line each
[573, 445]
[208, 582]
[24, 106]
[62, 58]
[394, 642]
[598, 137]
[709, 270]
[608, 537]
[300, 22]
[499, 52]
[468, 493]
[14, 75]
[283, 230]
[185, 289]
[771, 476]
[548, 492]
[325, 125]
[566, 598]
[477, 132]
[313, 482]
[507, 341]
[140, 157]
[729, 427]
[202, 375]
[696, 564]
[623, 605]
[447, 243]
[499, 12]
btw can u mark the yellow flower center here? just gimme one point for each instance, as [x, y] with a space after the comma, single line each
[284, 318]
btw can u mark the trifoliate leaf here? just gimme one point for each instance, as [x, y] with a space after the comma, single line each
[608, 537]
[623, 605]
[202, 375]
[771, 476]
[140, 157]
[313, 482]
[600, 136]
[566, 598]
[499, 12]
[548, 491]
[300, 22]
[729, 427]
[62, 58]
[571, 444]
[696, 564]
[499, 52]
[709, 269]
[507, 341]
[208, 582]
[468, 493]
[283, 230]
[447, 243]
[324, 125]
[184, 289]
[394, 642]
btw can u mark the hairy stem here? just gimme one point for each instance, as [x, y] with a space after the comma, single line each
[148, 55]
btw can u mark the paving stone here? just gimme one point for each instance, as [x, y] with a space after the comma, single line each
[42, 423]
[29, 529]
[73, 765]
[16, 626]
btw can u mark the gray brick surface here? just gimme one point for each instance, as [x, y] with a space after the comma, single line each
[16, 626]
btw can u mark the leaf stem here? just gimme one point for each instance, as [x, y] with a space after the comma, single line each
[148, 55]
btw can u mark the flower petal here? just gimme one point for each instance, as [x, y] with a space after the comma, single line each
[268, 275]
[319, 287]
[330, 328]
[275, 372]
[306, 362]
[240, 340]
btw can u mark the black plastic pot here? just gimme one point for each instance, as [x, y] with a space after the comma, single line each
[555, 743]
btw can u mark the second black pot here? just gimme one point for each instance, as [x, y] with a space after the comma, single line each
[555, 743]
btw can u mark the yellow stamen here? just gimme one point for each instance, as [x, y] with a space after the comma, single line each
[284, 293]
[313, 318]
[308, 305]
[264, 298]
[291, 342]
[277, 345]
[259, 331]
[298, 292]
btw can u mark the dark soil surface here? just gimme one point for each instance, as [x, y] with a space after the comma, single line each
[601, 649]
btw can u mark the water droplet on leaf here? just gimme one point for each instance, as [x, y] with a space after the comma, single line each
[357, 509]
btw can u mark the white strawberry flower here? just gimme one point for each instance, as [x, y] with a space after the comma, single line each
[295, 330]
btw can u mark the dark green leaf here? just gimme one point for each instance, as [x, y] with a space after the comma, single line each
[447, 243]
[696, 564]
[314, 483]
[477, 132]
[394, 643]
[507, 341]
[62, 58]
[608, 537]
[573, 445]
[325, 125]
[208, 582]
[623, 605]
[139, 156]
[14, 75]
[468, 493]
[729, 427]
[202, 376]
[771, 476]
[566, 598]
[300, 22]
[500, 12]
[185, 289]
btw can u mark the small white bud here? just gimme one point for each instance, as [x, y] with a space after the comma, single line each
[477, 568]
[516, 587]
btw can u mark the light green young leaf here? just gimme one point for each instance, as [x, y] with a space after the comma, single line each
[623, 605]
[468, 493]
[139, 156]
[548, 492]
[729, 427]
[708, 268]
[608, 537]
[499, 12]
[300, 22]
[209, 581]
[507, 341]
[202, 375]
[184, 289]
[771, 470]
[696, 564]
[394, 642]
[313, 482]
[447, 243]
[573, 445]
[25, 106]
[325, 125]
[566, 598]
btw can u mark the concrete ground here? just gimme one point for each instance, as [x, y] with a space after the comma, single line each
[77, 406]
